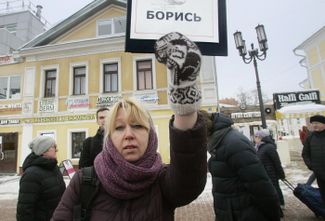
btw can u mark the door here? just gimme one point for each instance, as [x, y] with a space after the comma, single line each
[8, 152]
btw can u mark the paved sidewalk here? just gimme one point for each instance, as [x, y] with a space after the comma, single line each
[199, 210]
[202, 207]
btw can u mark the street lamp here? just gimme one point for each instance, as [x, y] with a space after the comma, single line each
[252, 55]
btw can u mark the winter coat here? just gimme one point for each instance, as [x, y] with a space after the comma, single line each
[178, 183]
[41, 188]
[241, 190]
[313, 153]
[92, 146]
[269, 156]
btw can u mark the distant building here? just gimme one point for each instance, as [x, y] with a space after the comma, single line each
[247, 118]
[312, 51]
[20, 22]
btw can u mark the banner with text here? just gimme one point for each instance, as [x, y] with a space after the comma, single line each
[203, 23]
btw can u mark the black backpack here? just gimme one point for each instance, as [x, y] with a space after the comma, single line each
[88, 190]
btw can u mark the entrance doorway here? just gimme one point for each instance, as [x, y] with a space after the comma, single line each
[8, 152]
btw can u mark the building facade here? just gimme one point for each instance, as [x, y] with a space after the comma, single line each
[77, 66]
[312, 51]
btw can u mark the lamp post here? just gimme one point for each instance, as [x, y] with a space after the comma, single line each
[254, 54]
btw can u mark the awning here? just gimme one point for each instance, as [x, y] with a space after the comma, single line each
[300, 111]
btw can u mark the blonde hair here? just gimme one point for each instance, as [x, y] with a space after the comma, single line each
[134, 111]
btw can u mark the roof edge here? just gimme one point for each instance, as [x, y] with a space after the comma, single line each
[70, 22]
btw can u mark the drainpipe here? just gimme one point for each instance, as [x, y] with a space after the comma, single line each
[302, 63]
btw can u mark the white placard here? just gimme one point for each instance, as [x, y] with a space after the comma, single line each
[151, 19]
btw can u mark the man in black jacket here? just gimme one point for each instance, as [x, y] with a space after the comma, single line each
[94, 145]
[313, 151]
[241, 189]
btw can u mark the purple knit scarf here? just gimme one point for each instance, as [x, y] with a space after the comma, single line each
[127, 180]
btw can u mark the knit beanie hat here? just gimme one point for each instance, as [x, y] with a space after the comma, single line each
[262, 133]
[41, 144]
[317, 118]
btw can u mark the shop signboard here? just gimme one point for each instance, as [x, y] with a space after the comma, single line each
[11, 107]
[300, 97]
[77, 103]
[107, 101]
[47, 105]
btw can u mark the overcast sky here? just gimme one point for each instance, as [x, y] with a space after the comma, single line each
[287, 23]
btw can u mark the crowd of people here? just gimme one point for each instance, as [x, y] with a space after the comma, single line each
[128, 178]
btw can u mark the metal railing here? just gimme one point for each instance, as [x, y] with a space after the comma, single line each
[11, 6]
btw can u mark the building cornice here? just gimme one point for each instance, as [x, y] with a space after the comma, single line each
[73, 49]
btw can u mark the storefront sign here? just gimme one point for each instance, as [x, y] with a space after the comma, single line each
[283, 99]
[10, 107]
[107, 101]
[149, 20]
[47, 105]
[6, 59]
[7, 122]
[148, 98]
[61, 118]
[28, 107]
[246, 115]
[77, 103]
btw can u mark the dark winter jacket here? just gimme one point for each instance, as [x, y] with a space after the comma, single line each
[92, 146]
[178, 184]
[41, 188]
[270, 158]
[241, 190]
[313, 153]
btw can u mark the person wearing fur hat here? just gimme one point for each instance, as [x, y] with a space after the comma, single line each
[313, 151]
[41, 184]
[267, 153]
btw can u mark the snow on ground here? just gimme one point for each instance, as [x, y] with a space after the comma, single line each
[295, 173]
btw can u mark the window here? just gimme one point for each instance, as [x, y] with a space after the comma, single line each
[105, 28]
[77, 139]
[110, 77]
[50, 83]
[112, 26]
[144, 75]
[79, 80]
[9, 87]
[12, 28]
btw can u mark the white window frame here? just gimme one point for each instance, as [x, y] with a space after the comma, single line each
[75, 65]
[45, 68]
[69, 140]
[111, 22]
[119, 75]
[8, 86]
[154, 74]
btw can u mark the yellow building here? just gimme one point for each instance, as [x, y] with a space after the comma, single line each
[313, 53]
[58, 80]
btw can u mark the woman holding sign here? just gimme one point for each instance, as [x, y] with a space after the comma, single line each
[134, 183]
